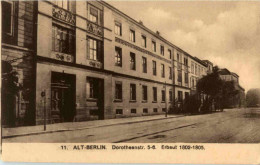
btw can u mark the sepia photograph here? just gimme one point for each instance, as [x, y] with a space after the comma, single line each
[130, 72]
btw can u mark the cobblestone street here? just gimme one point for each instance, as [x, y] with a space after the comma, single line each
[230, 126]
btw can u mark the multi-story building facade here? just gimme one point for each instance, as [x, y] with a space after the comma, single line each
[92, 61]
[18, 55]
[197, 71]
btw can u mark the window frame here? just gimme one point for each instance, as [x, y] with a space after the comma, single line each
[118, 55]
[155, 110]
[118, 24]
[170, 73]
[180, 96]
[12, 36]
[192, 67]
[97, 50]
[11, 17]
[117, 110]
[132, 92]
[144, 64]
[170, 96]
[162, 50]
[185, 61]
[132, 35]
[154, 68]
[162, 71]
[144, 41]
[91, 88]
[132, 61]
[170, 53]
[118, 94]
[163, 93]
[91, 92]
[133, 110]
[93, 16]
[145, 110]
[68, 43]
[144, 93]
[179, 76]
[154, 46]
[186, 78]
[155, 98]
[61, 4]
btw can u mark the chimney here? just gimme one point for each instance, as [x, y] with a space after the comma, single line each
[157, 32]
[141, 22]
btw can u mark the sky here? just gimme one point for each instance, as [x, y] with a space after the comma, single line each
[226, 33]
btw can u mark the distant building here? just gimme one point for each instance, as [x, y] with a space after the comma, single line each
[209, 64]
[237, 100]
[197, 71]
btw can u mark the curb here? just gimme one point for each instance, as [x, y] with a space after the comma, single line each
[75, 129]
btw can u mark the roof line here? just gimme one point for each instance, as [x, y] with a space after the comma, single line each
[150, 31]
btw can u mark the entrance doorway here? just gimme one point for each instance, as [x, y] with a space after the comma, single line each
[62, 97]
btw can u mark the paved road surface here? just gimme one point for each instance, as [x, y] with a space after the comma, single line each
[230, 126]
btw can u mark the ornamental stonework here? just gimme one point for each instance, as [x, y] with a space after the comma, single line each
[63, 15]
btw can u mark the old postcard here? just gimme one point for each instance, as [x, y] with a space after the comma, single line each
[130, 81]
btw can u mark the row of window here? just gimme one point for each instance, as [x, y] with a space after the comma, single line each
[133, 111]
[132, 38]
[186, 77]
[118, 62]
[93, 92]
[63, 41]
[197, 69]
[95, 14]
[119, 93]
[180, 96]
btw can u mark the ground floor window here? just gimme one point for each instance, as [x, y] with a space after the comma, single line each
[119, 111]
[144, 93]
[92, 88]
[180, 96]
[155, 110]
[145, 110]
[170, 95]
[118, 91]
[133, 110]
[154, 94]
[163, 95]
[187, 95]
[132, 92]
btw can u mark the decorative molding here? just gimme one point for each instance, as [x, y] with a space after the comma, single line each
[95, 64]
[63, 15]
[123, 42]
[62, 57]
[95, 29]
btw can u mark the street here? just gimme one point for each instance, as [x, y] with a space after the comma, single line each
[230, 126]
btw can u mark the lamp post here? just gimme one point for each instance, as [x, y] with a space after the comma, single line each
[165, 101]
[43, 94]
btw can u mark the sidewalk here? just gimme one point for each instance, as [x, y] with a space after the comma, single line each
[71, 126]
